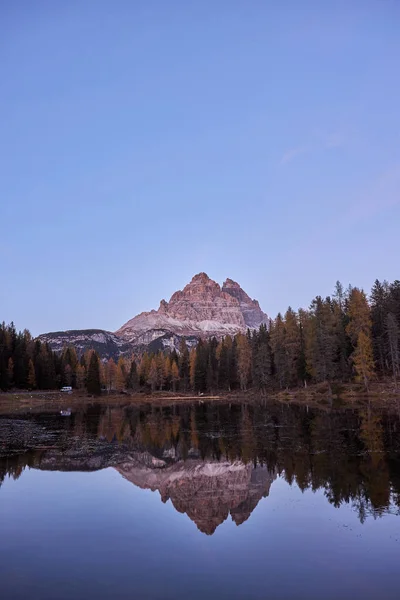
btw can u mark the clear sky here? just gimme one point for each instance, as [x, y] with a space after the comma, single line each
[144, 141]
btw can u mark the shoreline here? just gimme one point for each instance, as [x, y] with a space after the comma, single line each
[323, 396]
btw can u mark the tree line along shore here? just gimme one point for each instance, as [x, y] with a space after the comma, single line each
[348, 337]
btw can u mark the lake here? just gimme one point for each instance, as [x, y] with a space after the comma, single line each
[200, 500]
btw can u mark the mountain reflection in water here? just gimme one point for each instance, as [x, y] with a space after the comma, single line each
[215, 460]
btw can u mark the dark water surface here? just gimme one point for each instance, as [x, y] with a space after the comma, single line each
[200, 501]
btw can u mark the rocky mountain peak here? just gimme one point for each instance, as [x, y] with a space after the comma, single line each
[200, 286]
[229, 283]
[252, 313]
[201, 309]
[163, 306]
[202, 278]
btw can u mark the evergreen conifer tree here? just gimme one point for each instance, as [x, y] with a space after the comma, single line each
[93, 376]
[183, 363]
[31, 375]
[223, 366]
[201, 367]
[120, 377]
[359, 330]
[153, 375]
[10, 372]
[133, 380]
[174, 375]
[393, 339]
[379, 309]
[261, 359]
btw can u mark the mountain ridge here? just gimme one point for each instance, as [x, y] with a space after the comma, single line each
[203, 309]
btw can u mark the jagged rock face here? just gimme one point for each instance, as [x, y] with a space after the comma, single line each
[250, 309]
[203, 300]
[201, 309]
[206, 491]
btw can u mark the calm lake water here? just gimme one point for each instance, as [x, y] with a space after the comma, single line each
[200, 501]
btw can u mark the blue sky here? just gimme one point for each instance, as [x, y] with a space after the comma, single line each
[143, 142]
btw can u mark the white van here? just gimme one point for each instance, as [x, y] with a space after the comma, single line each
[66, 388]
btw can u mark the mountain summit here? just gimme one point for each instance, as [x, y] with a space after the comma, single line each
[201, 309]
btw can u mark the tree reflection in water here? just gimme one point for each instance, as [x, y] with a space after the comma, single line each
[214, 459]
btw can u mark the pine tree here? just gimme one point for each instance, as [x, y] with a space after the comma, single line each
[379, 310]
[243, 360]
[393, 338]
[4, 354]
[174, 356]
[320, 341]
[302, 362]
[340, 323]
[363, 359]
[103, 374]
[183, 362]
[212, 364]
[120, 377]
[174, 375]
[292, 345]
[87, 357]
[10, 372]
[133, 379]
[67, 380]
[31, 375]
[80, 376]
[210, 375]
[93, 376]
[394, 300]
[69, 359]
[159, 358]
[153, 375]
[20, 359]
[233, 363]
[111, 374]
[192, 367]
[166, 371]
[223, 365]
[200, 372]
[277, 337]
[45, 368]
[339, 295]
[226, 364]
[359, 315]
[359, 331]
[261, 359]
[144, 369]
